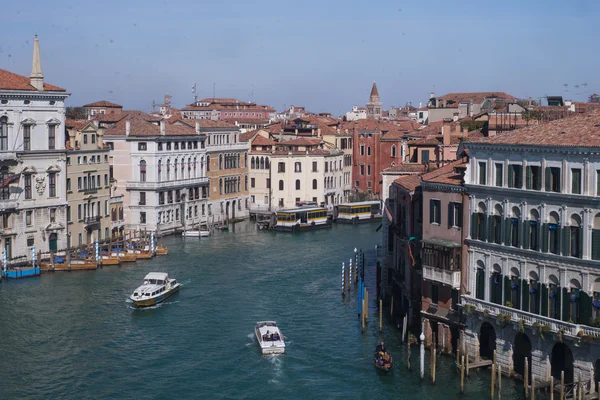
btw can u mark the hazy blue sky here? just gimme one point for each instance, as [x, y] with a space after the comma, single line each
[324, 54]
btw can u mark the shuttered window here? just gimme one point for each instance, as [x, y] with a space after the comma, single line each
[533, 178]
[435, 211]
[480, 284]
[596, 244]
[576, 181]
[552, 179]
[499, 174]
[482, 173]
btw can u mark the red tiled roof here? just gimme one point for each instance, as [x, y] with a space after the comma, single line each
[140, 126]
[11, 81]
[409, 182]
[302, 142]
[446, 174]
[579, 131]
[207, 123]
[103, 103]
[263, 141]
[246, 136]
[476, 97]
[76, 124]
[407, 168]
[245, 120]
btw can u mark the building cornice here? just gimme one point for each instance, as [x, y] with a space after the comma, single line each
[38, 95]
[442, 187]
[522, 148]
[533, 196]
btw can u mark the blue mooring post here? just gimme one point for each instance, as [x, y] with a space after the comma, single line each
[360, 294]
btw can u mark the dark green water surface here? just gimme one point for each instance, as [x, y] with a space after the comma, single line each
[75, 335]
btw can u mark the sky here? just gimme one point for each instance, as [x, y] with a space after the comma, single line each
[323, 55]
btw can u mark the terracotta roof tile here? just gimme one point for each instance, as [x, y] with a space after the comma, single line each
[140, 126]
[407, 168]
[12, 81]
[447, 174]
[103, 103]
[263, 141]
[302, 142]
[409, 182]
[579, 131]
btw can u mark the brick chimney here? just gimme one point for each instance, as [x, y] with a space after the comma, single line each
[162, 127]
[446, 131]
[127, 128]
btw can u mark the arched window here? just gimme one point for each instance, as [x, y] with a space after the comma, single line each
[142, 171]
[252, 165]
[159, 170]
[220, 161]
[551, 240]
[182, 168]
[478, 224]
[496, 225]
[480, 281]
[5, 188]
[532, 229]
[314, 184]
[175, 169]
[575, 237]
[513, 228]
[3, 133]
[237, 165]
[297, 166]
[596, 238]
[267, 165]
[220, 185]
[246, 160]
[281, 185]
[195, 165]
[246, 182]
[168, 169]
[262, 163]
[207, 163]
[297, 184]
[393, 151]
[239, 184]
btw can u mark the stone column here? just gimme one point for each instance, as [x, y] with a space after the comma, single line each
[488, 275]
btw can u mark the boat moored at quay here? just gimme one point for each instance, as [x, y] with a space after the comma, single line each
[302, 219]
[359, 212]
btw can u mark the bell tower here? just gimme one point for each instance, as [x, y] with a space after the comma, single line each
[374, 105]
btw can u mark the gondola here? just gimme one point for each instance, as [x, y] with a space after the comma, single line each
[382, 364]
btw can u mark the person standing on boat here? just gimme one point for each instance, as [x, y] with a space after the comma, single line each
[380, 348]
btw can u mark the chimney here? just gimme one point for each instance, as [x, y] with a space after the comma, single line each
[446, 132]
[318, 132]
[36, 79]
[127, 128]
[431, 95]
[100, 138]
[162, 127]
[197, 127]
[530, 102]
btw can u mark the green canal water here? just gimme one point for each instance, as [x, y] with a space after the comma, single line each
[75, 336]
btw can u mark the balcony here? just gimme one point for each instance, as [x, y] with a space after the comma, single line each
[8, 156]
[92, 223]
[450, 278]
[166, 185]
[482, 307]
[8, 205]
[240, 146]
[90, 190]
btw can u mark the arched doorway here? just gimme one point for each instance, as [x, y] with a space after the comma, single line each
[521, 351]
[53, 242]
[487, 341]
[562, 360]
[227, 210]
[233, 209]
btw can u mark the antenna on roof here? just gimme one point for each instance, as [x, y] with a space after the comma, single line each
[214, 84]
[194, 91]
[153, 105]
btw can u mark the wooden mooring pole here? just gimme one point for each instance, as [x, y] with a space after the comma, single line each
[499, 380]
[562, 385]
[493, 390]
[526, 377]
[380, 315]
[579, 388]
[462, 374]
[408, 354]
[366, 307]
[434, 355]
[467, 357]
[532, 387]
[551, 388]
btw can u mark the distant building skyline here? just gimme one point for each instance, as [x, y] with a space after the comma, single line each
[318, 60]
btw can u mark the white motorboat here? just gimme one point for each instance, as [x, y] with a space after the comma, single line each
[157, 287]
[269, 337]
[194, 233]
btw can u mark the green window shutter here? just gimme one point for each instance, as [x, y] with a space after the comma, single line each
[490, 228]
[507, 231]
[480, 288]
[505, 284]
[459, 215]
[596, 244]
[576, 180]
[548, 185]
[499, 175]
[519, 176]
[544, 246]
[511, 177]
[528, 181]
[474, 232]
[566, 305]
[526, 234]
[585, 308]
[525, 294]
[544, 294]
[431, 211]
[559, 186]
[538, 292]
[450, 215]
[483, 231]
[566, 241]
[438, 209]
[519, 233]
[580, 244]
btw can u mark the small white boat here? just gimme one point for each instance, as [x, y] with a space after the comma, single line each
[157, 287]
[269, 337]
[196, 233]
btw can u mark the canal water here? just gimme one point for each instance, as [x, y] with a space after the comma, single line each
[75, 336]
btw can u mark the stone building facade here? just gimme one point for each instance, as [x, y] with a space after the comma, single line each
[534, 249]
[88, 184]
[33, 204]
